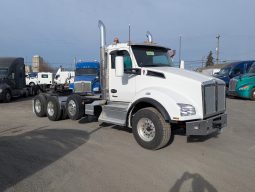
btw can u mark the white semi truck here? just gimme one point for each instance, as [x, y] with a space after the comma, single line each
[141, 89]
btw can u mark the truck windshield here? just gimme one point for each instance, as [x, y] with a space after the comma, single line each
[149, 56]
[86, 72]
[224, 71]
[252, 68]
[3, 73]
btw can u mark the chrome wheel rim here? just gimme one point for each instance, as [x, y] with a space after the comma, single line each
[50, 108]
[38, 106]
[146, 129]
[71, 107]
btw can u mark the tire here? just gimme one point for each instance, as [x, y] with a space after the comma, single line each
[7, 97]
[252, 95]
[75, 107]
[40, 103]
[33, 91]
[64, 114]
[31, 84]
[26, 94]
[150, 130]
[53, 110]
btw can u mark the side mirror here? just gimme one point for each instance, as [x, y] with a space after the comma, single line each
[119, 66]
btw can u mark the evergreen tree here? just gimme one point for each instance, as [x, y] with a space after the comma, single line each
[209, 61]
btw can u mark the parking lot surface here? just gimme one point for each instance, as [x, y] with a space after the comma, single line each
[40, 155]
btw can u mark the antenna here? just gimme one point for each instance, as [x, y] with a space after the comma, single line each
[129, 30]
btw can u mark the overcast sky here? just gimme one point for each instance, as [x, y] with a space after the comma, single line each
[60, 30]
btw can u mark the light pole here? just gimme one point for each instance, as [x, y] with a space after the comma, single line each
[217, 49]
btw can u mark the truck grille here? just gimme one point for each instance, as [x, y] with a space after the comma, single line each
[214, 99]
[82, 87]
[232, 85]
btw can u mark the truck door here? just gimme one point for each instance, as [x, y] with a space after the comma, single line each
[121, 88]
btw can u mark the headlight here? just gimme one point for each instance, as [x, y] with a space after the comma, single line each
[96, 89]
[186, 109]
[1, 90]
[244, 87]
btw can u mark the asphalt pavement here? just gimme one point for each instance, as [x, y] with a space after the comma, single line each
[40, 155]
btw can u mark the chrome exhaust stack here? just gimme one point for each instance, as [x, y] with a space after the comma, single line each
[149, 36]
[103, 75]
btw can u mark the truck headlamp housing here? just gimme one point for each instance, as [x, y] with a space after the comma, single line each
[96, 89]
[244, 87]
[186, 109]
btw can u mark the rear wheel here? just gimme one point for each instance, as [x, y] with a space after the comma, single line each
[253, 94]
[40, 103]
[75, 107]
[7, 96]
[150, 129]
[53, 110]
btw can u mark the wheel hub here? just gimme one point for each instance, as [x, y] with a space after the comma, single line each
[38, 106]
[146, 129]
[8, 96]
[50, 108]
[71, 107]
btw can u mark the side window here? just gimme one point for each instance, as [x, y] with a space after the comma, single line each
[239, 69]
[44, 76]
[249, 66]
[126, 57]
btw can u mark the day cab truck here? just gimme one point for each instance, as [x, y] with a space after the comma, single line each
[140, 89]
[12, 79]
[63, 77]
[244, 85]
[87, 71]
[40, 78]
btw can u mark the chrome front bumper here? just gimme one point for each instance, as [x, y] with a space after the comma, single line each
[206, 126]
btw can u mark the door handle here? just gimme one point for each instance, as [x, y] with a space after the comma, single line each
[113, 91]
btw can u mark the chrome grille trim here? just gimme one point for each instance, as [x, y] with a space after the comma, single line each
[214, 98]
[82, 87]
[232, 85]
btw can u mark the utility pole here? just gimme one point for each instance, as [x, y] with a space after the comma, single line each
[180, 49]
[75, 60]
[217, 49]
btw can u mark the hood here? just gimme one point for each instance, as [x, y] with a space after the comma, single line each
[189, 75]
[245, 76]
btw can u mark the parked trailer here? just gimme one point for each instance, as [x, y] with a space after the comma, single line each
[141, 89]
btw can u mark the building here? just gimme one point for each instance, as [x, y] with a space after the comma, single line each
[37, 61]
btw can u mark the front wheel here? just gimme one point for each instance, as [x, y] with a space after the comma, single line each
[252, 94]
[7, 96]
[150, 129]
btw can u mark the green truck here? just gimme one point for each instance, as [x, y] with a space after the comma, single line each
[244, 85]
